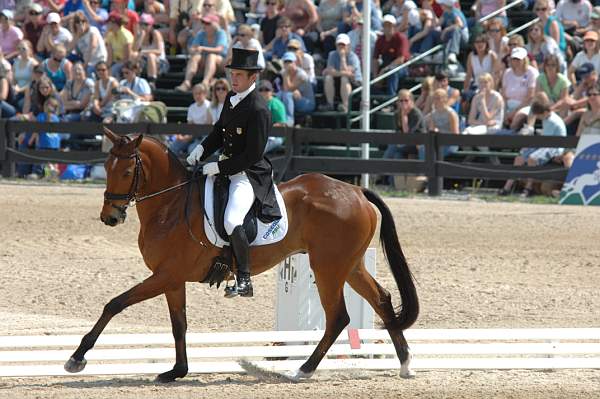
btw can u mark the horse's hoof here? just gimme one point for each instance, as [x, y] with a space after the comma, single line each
[75, 366]
[170, 375]
[408, 373]
[297, 375]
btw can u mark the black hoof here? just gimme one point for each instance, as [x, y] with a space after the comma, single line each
[75, 366]
[171, 375]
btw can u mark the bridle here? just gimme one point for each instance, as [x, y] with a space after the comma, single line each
[132, 197]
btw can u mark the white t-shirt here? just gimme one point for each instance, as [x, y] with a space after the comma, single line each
[516, 87]
[83, 44]
[582, 58]
[198, 114]
[63, 37]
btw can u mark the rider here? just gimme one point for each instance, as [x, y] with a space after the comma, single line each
[241, 132]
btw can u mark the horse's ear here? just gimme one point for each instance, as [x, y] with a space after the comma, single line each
[114, 138]
[138, 140]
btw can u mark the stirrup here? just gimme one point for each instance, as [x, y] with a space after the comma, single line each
[231, 290]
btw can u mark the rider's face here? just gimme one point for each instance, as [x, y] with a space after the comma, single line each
[241, 80]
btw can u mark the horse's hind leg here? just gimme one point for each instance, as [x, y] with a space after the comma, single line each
[149, 288]
[380, 300]
[176, 302]
[331, 294]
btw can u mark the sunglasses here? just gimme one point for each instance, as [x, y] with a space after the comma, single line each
[292, 48]
[513, 45]
[404, 100]
[22, 48]
[124, 72]
[44, 87]
[206, 5]
[101, 69]
[542, 9]
[34, 13]
[286, 26]
[494, 30]
[271, 4]
[220, 88]
[595, 94]
[263, 90]
[242, 35]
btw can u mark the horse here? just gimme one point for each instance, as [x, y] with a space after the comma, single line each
[332, 221]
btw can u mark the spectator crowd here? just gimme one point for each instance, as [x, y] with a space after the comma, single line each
[73, 59]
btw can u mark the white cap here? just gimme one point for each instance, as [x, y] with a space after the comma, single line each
[389, 18]
[53, 17]
[518, 53]
[7, 13]
[342, 38]
[449, 3]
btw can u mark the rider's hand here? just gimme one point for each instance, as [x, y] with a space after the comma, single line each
[195, 155]
[211, 168]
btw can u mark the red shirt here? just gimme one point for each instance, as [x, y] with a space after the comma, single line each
[391, 49]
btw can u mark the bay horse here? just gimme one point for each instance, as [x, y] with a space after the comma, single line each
[330, 220]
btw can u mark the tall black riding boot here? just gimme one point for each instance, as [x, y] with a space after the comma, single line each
[239, 245]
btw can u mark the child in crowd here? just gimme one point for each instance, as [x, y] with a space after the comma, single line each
[199, 114]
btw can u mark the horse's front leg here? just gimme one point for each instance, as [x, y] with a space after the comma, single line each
[149, 288]
[176, 302]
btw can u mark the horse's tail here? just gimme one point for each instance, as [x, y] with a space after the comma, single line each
[409, 311]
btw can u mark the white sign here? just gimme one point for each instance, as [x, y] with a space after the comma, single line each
[298, 305]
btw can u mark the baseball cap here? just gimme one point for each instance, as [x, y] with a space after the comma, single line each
[265, 85]
[147, 19]
[591, 35]
[294, 43]
[584, 70]
[389, 18]
[36, 7]
[519, 53]
[289, 56]
[342, 38]
[7, 13]
[115, 17]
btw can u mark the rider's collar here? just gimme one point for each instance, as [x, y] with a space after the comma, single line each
[238, 97]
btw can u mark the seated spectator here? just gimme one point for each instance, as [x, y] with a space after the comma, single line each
[497, 39]
[58, 68]
[574, 15]
[95, 14]
[52, 35]
[303, 15]
[10, 35]
[278, 46]
[442, 119]
[269, 23]
[7, 110]
[330, 14]
[355, 36]
[587, 80]
[540, 46]
[555, 85]
[218, 97]
[77, 94]
[391, 50]
[297, 92]
[518, 83]
[455, 32]
[105, 93]
[119, 44]
[130, 18]
[224, 10]
[486, 115]
[198, 113]
[71, 6]
[590, 120]
[409, 120]
[133, 87]
[35, 97]
[23, 67]
[407, 15]
[552, 125]
[442, 81]
[191, 27]
[180, 12]
[34, 24]
[425, 98]
[342, 72]
[356, 10]
[427, 37]
[149, 49]
[244, 39]
[588, 54]
[88, 43]
[278, 117]
[551, 24]
[481, 60]
[208, 50]
[303, 60]
[595, 19]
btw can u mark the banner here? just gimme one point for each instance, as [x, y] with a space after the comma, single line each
[582, 186]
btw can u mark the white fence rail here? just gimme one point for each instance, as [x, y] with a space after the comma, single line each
[127, 354]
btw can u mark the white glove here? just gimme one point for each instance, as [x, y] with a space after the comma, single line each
[195, 155]
[211, 168]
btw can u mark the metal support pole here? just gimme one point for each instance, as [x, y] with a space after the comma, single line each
[366, 92]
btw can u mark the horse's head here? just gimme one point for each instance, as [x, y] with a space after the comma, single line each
[124, 176]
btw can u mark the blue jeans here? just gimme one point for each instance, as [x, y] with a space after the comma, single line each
[7, 110]
[393, 80]
[454, 39]
[302, 105]
[445, 151]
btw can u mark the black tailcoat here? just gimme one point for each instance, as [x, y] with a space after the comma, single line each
[242, 134]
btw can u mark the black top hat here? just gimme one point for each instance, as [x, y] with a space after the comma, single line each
[244, 59]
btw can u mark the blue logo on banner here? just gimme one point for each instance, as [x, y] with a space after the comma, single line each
[582, 186]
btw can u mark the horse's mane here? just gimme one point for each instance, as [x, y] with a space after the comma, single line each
[172, 156]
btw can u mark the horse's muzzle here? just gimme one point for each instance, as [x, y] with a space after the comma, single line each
[111, 220]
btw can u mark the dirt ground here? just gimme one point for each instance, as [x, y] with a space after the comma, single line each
[477, 264]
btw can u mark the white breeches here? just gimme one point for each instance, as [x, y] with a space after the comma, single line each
[241, 198]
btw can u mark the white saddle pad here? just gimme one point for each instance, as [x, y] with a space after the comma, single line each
[267, 233]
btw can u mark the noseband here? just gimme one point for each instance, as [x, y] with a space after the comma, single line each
[131, 196]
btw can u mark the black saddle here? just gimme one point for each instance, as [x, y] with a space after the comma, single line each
[220, 199]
